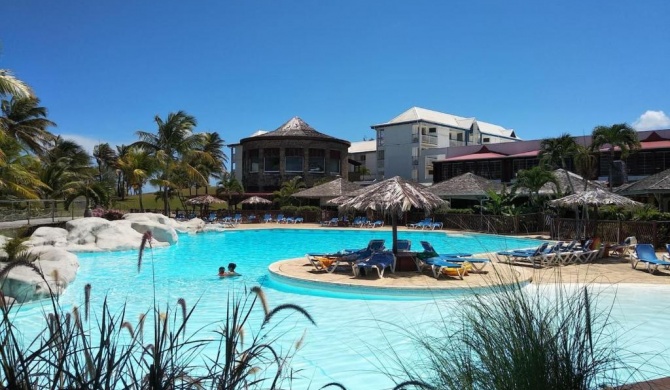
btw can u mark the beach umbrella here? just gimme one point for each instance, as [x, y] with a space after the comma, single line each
[339, 200]
[256, 200]
[596, 198]
[204, 199]
[393, 196]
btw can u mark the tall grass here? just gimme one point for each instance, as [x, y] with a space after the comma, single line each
[108, 351]
[550, 337]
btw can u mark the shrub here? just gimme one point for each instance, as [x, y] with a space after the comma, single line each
[110, 215]
[289, 210]
[309, 213]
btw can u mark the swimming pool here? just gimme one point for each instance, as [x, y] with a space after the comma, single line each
[351, 330]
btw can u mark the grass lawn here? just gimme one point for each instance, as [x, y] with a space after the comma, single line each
[152, 203]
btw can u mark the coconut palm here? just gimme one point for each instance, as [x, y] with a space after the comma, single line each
[210, 163]
[533, 179]
[137, 167]
[284, 196]
[586, 163]
[105, 157]
[24, 120]
[557, 151]
[228, 186]
[620, 136]
[174, 146]
[122, 184]
[10, 85]
[18, 178]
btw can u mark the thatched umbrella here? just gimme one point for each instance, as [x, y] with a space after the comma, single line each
[595, 198]
[339, 200]
[327, 191]
[256, 200]
[204, 200]
[394, 196]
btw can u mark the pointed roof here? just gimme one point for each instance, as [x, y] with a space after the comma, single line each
[658, 183]
[564, 178]
[465, 186]
[332, 189]
[416, 114]
[296, 128]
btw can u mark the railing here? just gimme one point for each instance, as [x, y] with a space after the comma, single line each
[429, 140]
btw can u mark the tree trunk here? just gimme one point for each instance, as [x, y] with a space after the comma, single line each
[394, 226]
[140, 195]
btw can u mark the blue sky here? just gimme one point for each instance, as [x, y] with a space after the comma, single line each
[105, 69]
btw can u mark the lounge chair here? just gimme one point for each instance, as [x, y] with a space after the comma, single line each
[537, 257]
[330, 261]
[332, 222]
[288, 220]
[404, 245]
[379, 261]
[421, 224]
[267, 218]
[376, 224]
[299, 220]
[645, 253]
[180, 216]
[280, 218]
[429, 253]
[237, 219]
[212, 217]
[625, 249]
[360, 222]
[441, 267]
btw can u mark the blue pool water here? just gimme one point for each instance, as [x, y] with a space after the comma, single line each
[354, 332]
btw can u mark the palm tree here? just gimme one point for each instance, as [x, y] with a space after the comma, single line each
[122, 184]
[620, 136]
[105, 157]
[10, 85]
[174, 146]
[24, 120]
[284, 196]
[228, 186]
[137, 166]
[586, 163]
[18, 172]
[556, 151]
[533, 179]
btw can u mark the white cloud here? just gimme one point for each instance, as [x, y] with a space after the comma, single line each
[652, 120]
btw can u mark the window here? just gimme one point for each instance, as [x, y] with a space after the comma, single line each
[459, 137]
[334, 161]
[293, 158]
[361, 158]
[317, 161]
[271, 160]
[380, 137]
[254, 161]
[486, 140]
[380, 155]
[432, 130]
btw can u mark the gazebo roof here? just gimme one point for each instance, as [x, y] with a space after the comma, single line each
[658, 183]
[577, 181]
[296, 128]
[465, 186]
[332, 189]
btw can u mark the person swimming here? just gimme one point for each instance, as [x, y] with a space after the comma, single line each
[231, 271]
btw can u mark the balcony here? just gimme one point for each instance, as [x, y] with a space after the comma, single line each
[453, 142]
[429, 140]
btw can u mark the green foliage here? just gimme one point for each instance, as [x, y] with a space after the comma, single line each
[532, 180]
[516, 338]
[284, 196]
[14, 248]
[498, 203]
[289, 211]
[309, 213]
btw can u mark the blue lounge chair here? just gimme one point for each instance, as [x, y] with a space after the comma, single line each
[280, 218]
[404, 245]
[299, 220]
[237, 219]
[379, 261]
[429, 251]
[212, 217]
[330, 261]
[376, 224]
[332, 222]
[288, 220]
[441, 267]
[536, 257]
[645, 253]
[421, 224]
[267, 218]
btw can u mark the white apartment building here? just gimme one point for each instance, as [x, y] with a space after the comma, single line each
[363, 154]
[408, 144]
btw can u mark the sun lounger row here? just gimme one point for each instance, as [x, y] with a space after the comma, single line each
[426, 224]
[358, 222]
[267, 218]
[374, 257]
[557, 254]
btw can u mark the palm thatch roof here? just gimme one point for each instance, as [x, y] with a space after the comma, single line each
[655, 184]
[465, 186]
[393, 196]
[256, 200]
[564, 178]
[597, 197]
[204, 199]
[332, 189]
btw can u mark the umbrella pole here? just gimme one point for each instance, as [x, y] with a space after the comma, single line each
[394, 226]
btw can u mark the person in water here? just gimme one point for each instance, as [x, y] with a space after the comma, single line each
[231, 270]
